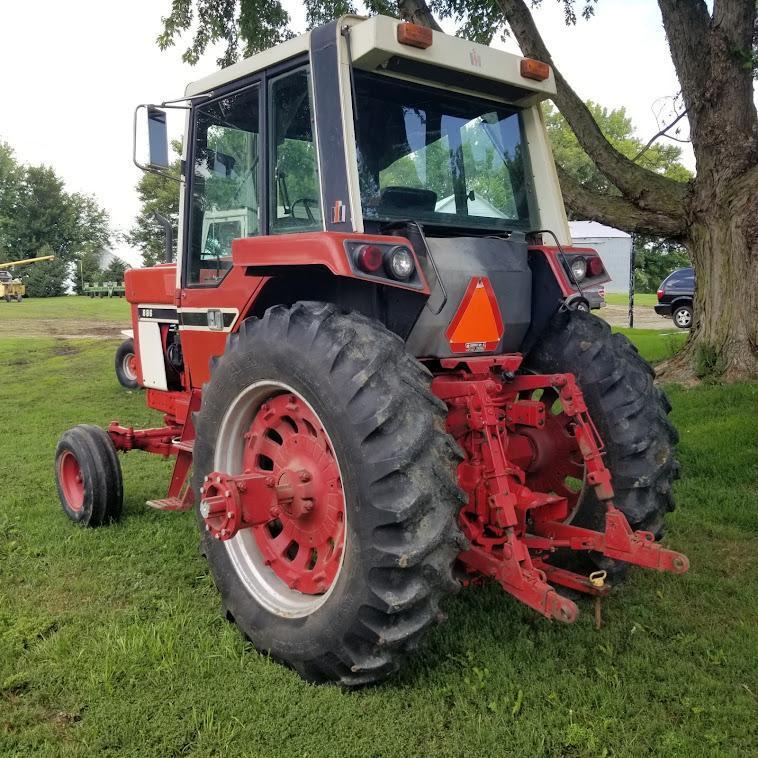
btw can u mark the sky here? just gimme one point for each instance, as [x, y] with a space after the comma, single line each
[74, 71]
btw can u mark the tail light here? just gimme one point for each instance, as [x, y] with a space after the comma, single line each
[595, 266]
[659, 293]
[380, 260]
[369, 258]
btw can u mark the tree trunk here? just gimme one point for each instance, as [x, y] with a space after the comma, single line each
[723, 243]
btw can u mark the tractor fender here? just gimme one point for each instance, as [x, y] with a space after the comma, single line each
[317, 266]
[264, 256]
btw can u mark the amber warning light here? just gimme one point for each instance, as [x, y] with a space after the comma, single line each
[532, 69]
[414, 35]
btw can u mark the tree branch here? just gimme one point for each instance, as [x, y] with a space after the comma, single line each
[417, 12]
[618, 211]
[646, 189]
[660, 134]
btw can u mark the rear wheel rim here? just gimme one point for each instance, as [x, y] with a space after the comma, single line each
[129, 367]
[292, 563]
[683, 317]
[558, 464]
[72, 481]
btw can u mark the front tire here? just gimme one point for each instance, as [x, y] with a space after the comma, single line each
[88, 476]
[365, 405]
[126, 365]
[630, 413]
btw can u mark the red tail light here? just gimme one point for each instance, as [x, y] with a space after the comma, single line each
[594, 265]
[369, 258]
[660, 294]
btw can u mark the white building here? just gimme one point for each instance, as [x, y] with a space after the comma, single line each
[614, 247]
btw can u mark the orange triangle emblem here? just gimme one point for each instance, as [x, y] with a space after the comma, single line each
[477, 326]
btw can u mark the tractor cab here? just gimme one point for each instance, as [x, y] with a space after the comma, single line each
[370, 163]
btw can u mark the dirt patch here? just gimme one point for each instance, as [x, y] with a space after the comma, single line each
[644, 317]
[61, 328]
[65, 349]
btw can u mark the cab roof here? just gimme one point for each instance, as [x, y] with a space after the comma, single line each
[449, 61]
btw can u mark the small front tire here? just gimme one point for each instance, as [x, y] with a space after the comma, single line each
[126, 365]
[88, 476]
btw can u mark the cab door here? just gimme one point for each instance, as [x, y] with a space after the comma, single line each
[223, 203]
[243, 142]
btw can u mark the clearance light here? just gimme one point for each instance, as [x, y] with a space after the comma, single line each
[477, 325]
[414, 35]
[532, 69]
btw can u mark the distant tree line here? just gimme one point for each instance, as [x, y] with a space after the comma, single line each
[39, 217]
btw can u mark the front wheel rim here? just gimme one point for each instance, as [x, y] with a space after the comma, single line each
[292, 563]
[71, 481]
[129, 367]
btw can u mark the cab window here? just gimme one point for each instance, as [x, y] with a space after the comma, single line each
[225, 191]
[294, 185]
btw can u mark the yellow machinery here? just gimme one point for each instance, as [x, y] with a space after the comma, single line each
[14, 289]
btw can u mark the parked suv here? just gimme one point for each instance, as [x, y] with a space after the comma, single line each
[675, 297]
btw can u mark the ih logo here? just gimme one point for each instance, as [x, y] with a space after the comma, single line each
[338, 212]
[477, 325]
[475, 59]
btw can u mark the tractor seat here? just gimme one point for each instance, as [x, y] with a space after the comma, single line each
[407, 200]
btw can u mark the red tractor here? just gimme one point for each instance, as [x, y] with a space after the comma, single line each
[373, 375]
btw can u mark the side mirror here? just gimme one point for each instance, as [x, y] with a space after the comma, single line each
[157, 137]
[156, 140]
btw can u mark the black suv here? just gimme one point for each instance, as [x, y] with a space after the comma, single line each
[675, 297]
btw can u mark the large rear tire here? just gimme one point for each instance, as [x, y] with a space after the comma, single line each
[364, 404]
[630, 413]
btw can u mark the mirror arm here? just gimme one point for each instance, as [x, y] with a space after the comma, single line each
[169, 229]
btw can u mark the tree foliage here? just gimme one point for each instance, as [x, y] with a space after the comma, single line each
[617, 127]
[39, 217]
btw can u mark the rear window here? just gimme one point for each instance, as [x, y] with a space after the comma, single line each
[683, 278]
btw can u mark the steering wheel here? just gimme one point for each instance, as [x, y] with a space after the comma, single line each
[307, 202]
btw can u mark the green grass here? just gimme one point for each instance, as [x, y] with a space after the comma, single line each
[640, 298]
[654, 344]
[112, 641]
[115, 309]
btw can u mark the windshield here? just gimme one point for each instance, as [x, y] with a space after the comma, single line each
[438, 157]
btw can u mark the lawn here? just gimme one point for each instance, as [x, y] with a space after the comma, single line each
[654, 344]
[113, 309]
[640, 298]
[112, 640]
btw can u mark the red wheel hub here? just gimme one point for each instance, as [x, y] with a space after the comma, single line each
[557, 464]
[71, 481]
[303, 537]
[131, 363]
